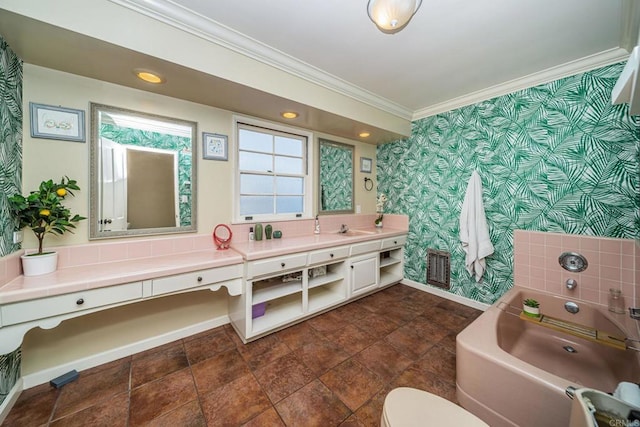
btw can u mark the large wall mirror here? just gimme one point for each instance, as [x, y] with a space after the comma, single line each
[336, 177]
[143, 174]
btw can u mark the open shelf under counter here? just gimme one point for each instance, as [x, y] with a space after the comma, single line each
[314, 282]
[386, 262]
[326, 296]
[266, 290]
[387, 278]
[278, 312]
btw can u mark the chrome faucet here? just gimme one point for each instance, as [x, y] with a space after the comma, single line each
[343, 228]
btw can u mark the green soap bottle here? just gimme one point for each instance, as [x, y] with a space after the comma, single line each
[258, 231]
[267, 231]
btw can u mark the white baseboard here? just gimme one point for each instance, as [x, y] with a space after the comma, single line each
[47, 375]
[448, 295]
[11, 399]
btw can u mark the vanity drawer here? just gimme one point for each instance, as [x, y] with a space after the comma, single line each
[328, 255]
[185, 281]
[276, 265]
[25, 311]
[365, 247]
[393, 242]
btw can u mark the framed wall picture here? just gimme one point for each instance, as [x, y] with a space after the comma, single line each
[51, 122]
[214, 146]
[365, 164]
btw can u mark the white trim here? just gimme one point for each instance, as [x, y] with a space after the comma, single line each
[44, 376]
[578, 66]
[11, 399]
[444, 294]
[215, 32]
[200, 26]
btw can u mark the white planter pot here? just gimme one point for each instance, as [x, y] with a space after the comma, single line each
[531, 311]
[37, 265]
[379, 224]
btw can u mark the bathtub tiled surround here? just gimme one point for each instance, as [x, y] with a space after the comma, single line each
[612, 264]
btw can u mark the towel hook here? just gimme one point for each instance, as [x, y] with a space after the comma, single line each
[368, 181]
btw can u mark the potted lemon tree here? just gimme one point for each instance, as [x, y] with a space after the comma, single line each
[43, 212]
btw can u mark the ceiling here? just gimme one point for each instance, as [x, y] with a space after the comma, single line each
[451, 48]
[452, 53]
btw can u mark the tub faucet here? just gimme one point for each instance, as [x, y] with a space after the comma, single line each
[343, 228]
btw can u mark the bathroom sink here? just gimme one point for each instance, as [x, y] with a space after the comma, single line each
[357, 233]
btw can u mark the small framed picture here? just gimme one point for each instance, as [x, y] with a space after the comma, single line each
[365, 164]
[50, 122]
[214, 146]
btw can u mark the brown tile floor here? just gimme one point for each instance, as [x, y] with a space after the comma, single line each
[332, 370]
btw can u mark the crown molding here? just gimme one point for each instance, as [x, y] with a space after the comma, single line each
[591, 62]
[200, 26]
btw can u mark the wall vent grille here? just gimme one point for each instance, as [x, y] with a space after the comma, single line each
[439, 268]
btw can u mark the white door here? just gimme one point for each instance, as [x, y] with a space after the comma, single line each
[113, 190]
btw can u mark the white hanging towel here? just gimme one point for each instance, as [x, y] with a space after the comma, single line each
[474, 232]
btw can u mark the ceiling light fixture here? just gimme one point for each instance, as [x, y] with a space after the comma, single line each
[364, 134]
[149, 76]
[392, 16]
[289, 115]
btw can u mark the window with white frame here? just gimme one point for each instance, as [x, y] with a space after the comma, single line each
[272, 180]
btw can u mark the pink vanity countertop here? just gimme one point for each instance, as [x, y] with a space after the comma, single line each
[90, 276]
[253, 250]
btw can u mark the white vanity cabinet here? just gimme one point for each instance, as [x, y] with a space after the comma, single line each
[280, 291]
[391, 261]
[364, 273]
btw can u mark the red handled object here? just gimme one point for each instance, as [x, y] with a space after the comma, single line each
[222, 238]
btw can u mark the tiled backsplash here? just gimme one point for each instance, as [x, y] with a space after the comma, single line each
[139, 248]
[110, 251]
[612, 264]
[328, 224]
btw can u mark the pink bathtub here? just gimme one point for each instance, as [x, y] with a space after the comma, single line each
[511, 372]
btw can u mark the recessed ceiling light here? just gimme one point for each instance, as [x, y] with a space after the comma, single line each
[289, 115]
[149, 76]
[364, 134]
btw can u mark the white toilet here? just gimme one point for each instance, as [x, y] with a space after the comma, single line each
[409, 407]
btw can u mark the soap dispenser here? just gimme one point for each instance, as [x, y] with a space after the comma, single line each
[316, 229]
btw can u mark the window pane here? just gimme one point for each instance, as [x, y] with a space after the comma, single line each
[256, 184]
[289, 204]
[288, 165]
[255, 141]
[255, 162]
[287, 185]
[288, 146]
[253, 205]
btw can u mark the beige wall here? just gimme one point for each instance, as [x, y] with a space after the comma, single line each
[52, 159]
[184, 46]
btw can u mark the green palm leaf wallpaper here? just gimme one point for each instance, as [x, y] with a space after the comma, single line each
[336, 177]
[10, 179]
[556, 157]
[10, 140]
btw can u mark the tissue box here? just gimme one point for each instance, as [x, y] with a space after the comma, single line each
[258, 310]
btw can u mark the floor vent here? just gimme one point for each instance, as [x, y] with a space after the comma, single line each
[438, 268]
